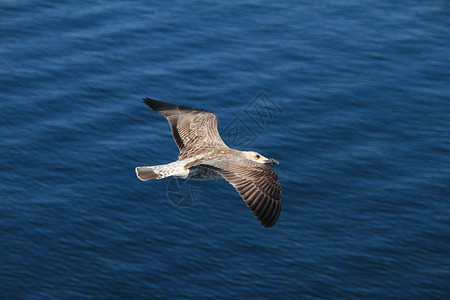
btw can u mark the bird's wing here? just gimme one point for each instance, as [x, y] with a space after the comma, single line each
[194, 130]
[257, 184]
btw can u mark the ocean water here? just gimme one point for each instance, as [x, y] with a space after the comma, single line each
[352, 97]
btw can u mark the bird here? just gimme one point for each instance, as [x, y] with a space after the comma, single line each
[205, 156]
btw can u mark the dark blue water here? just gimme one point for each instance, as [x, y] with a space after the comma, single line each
[353, 99]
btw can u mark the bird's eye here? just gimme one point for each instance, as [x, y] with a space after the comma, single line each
[258, 156]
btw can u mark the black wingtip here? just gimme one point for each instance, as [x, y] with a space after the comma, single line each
[159, 106]
[149, 101]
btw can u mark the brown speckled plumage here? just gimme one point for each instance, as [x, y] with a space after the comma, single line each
[203, 153]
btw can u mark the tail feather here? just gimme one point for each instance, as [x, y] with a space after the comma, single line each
[174, 169]
[146, 173]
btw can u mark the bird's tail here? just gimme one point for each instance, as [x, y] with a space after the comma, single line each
[174, 169]
[147, 173]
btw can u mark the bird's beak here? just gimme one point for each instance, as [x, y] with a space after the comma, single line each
[272, 161]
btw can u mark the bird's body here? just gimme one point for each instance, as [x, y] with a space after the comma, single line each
[204, 156]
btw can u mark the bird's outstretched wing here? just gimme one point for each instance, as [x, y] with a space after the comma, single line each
[194, 130]
[257, 184]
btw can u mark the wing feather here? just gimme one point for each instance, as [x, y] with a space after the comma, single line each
[257, 184]
[194, 130]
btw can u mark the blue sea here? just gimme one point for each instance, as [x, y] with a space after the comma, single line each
[351, 97]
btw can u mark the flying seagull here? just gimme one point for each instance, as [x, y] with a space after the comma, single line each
[204, 156]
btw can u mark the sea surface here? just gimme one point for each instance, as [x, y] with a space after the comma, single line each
[351, 97]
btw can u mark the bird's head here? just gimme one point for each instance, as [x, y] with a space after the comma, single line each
[255, 156]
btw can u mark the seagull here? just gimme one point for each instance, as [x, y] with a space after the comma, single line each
[205, 156]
